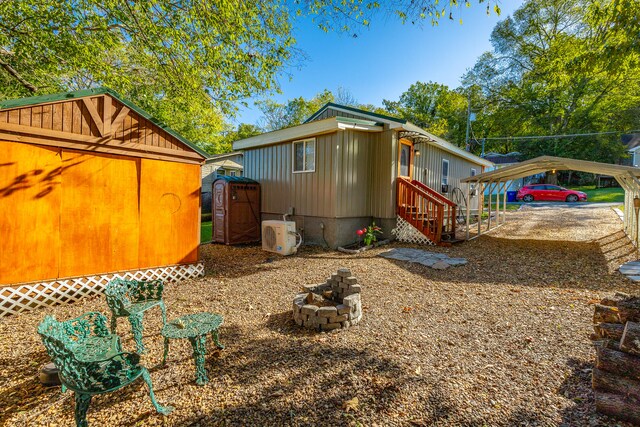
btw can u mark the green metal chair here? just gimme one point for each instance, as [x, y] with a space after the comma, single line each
[90, 360]
[131, 298]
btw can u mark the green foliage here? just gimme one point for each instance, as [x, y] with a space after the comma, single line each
[435, 108]
[602, 195]
[556, 68]
[206, 231]
[188, 63]
[550, 72]
[244, 130]
[351, 15]
[294, 112]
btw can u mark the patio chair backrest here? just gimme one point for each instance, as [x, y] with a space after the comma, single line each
[121, 293]
[64, 342]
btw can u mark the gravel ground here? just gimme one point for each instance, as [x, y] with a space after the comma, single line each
[501, 341]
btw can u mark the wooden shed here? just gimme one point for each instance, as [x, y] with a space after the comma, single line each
[92, 187]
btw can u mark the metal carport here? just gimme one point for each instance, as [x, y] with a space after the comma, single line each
[627, 177]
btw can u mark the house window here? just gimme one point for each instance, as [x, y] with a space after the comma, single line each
[445, 172]
[304, 155]
[232, 173]
[473, 172]
[221, 172]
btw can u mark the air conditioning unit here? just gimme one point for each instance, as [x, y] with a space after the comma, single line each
[279, 237]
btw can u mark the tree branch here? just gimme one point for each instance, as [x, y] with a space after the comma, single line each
[12, 71]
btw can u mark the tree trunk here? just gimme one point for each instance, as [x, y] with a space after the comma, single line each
[630, 340]
[606, 381]
[618, 406]
[611, 331]
[629, 309]
[618, 362]
[605, 314]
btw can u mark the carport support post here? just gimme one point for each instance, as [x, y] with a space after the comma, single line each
[498, 186]
[489, 206]
[480, 207]
[468, 219]
[504, 203]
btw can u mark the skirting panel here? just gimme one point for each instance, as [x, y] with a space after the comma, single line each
[16, 299]
[406, 232]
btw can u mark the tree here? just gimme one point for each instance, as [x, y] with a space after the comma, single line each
[433, 107]
[244, 130]
[293, 112]
[349, 15]
[547, 75]
[187, 62]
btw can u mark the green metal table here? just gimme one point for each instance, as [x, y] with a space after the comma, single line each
[195, 328]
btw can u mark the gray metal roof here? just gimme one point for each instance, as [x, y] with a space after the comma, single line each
[547, 163]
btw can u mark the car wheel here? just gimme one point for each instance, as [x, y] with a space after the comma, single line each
[528, 198]
[572, 198]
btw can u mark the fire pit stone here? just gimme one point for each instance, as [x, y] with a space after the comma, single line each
[330, 305]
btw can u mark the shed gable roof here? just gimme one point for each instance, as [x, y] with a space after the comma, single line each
[94, 119]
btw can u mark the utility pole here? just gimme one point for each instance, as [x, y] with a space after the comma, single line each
[483, 141]
[466, 139]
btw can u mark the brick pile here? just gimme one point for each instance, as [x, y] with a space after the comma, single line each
[330, 305]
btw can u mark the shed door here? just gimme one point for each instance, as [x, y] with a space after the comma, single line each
[218, 211]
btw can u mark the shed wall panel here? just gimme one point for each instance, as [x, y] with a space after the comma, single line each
[169, 208]
[99, 214]
[29, 212]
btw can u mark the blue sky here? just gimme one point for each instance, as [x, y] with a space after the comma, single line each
[385, 59]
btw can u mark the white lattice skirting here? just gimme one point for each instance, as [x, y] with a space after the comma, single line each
[19, 298]
[406, 232]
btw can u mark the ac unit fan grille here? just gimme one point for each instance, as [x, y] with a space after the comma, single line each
[270, 237]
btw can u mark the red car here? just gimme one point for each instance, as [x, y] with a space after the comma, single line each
[551, 193]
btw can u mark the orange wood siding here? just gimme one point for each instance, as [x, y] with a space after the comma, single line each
[66, 213]
[169, 206]
[99, 221]
[29, 212]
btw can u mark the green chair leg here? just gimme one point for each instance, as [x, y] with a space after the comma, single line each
[166, 352]
[114, 323]
[137, 328]
[82, 405]
[164, 313]
[164, 410]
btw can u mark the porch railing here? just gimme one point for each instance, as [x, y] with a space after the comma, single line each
[427, 210]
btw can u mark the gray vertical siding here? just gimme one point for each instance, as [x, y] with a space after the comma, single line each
[428, 170]
[354, 177]
[310, 193]
[383, 176]
[353, 159]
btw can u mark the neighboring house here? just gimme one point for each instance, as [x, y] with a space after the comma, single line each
[229, 164]
[92, 187]
[632, 144]
[340, 170]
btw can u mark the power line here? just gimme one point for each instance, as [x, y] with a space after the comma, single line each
[502, 138]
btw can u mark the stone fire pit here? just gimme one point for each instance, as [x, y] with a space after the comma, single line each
[330, 305]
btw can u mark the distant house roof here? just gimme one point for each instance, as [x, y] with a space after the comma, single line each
[631, 140]
[64, 96]
[226, 163]
[366, 121]
[502, 159]
[217, 157]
